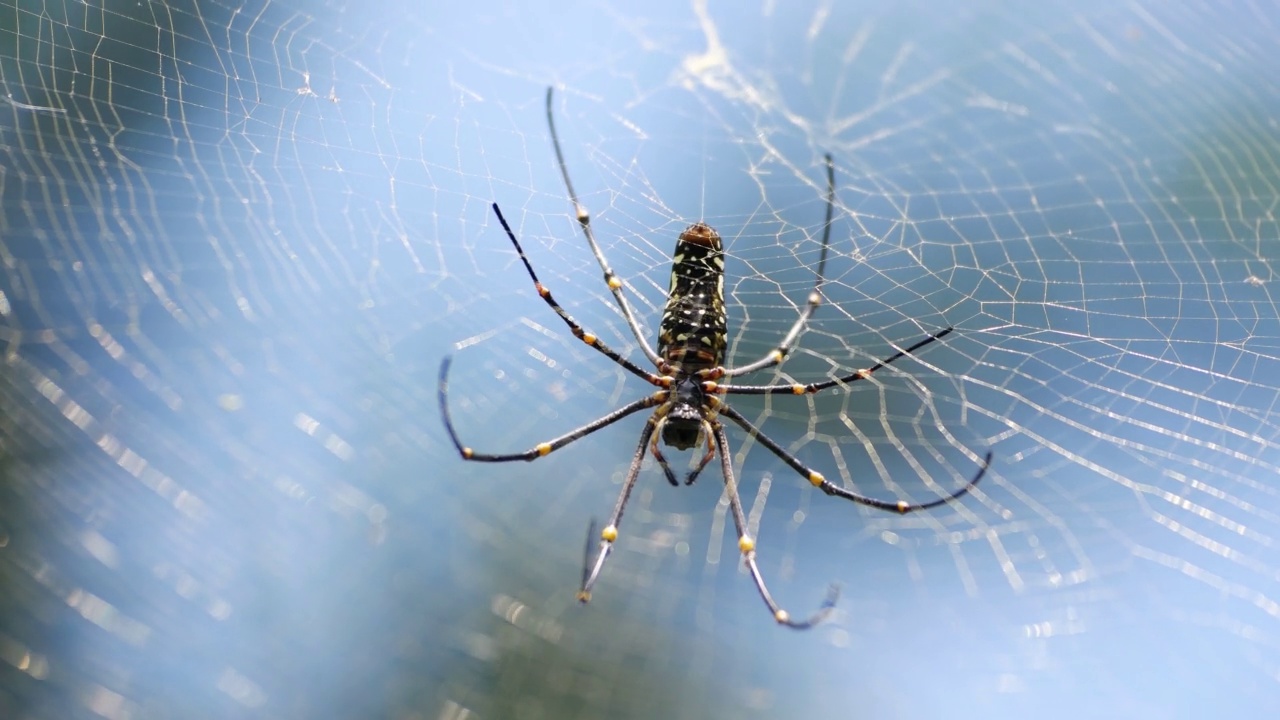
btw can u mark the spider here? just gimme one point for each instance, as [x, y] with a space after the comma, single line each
[688, 404]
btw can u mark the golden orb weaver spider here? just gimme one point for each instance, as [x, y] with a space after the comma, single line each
[689, 362]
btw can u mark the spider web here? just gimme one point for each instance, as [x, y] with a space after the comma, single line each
[237, 240]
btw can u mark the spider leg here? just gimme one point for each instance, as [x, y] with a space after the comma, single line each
[826, 486]
[811, 388]
[541, 448]
[657, 453]
[583, 595]
[711, 452]
[779, 353]
[610, 532]
[584, 221]
[587, 337]
[748, 547]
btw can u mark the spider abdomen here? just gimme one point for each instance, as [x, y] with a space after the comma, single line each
[691, 336]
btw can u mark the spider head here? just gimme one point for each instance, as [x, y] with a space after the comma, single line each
[683, 428]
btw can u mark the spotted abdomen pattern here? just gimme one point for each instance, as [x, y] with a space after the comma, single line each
[692, 333]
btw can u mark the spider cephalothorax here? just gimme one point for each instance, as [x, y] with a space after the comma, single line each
[690, 363]
[682, 426]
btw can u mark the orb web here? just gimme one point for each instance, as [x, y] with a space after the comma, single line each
[236, 240]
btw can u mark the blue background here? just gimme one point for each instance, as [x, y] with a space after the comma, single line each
[237, 240]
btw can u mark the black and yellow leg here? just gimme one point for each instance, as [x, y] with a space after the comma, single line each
[826, 486]
[577, 330]
[584, 222]
[610, 532]
[707, 433]
[656, 448]
[798, 389]
[747, 546]
[779, 353]
[540, 449]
